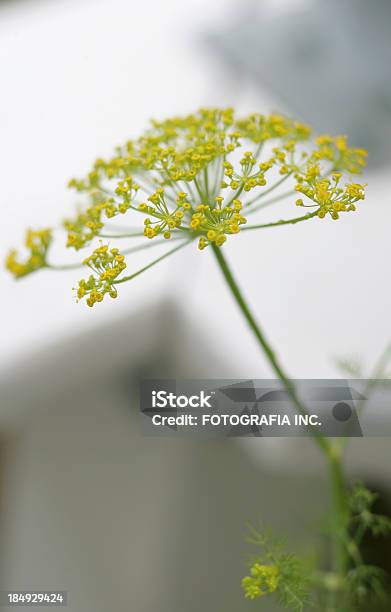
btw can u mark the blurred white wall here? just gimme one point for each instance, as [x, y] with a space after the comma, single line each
[123, 521]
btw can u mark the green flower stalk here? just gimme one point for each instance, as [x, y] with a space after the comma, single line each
[200, 179]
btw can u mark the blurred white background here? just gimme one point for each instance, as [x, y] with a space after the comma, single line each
[80, 77]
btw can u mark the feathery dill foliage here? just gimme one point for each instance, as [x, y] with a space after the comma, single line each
[277, 572]
[297, 584]
[366, 583]
[362, 517]
[199, 177]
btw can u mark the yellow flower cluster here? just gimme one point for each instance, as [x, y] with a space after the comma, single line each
[336, 151]
[327, 194]
[245, 179]
[264, 579]
[37, 243]
[173, 177]
[183, 164]
[259, 128]
[216, 222]
[178, 147]
[106, 265]
[89, 223]
[165, 220]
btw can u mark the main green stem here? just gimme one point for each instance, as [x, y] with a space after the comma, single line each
[331, 452]
[267, 349]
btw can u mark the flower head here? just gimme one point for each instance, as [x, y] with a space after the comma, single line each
[37, 243]
[201, 177]
[106, 265]
[264, 579]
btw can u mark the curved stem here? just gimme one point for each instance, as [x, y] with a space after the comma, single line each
[341, 511]
[264, 344]
[152, 263]
[381, 364]
[267, 203]
[148, 245]
[199, 190]
[339, 559]
[282, 221]
[72, 266]
[235, 195]
[331, 452]
[135, 249]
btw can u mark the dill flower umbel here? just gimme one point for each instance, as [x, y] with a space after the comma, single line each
[37, 243]
[200, 178]
[264, 579]
[106, 265]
